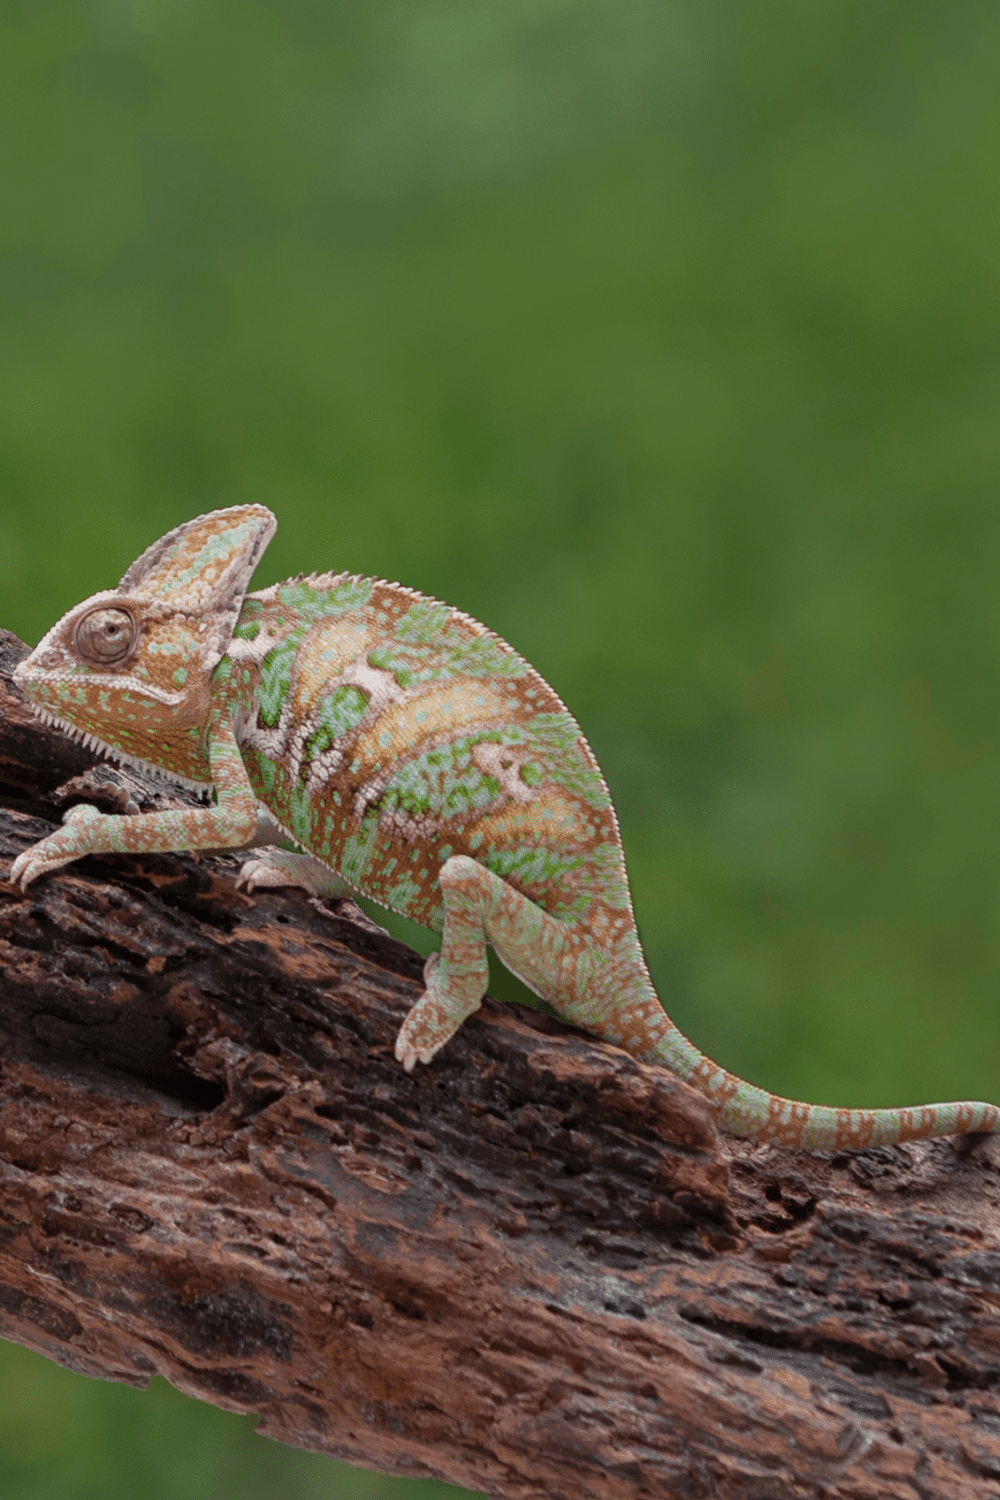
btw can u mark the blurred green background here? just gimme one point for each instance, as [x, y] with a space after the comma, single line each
[662, 336]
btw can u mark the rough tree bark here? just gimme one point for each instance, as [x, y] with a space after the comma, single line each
[532, 1269]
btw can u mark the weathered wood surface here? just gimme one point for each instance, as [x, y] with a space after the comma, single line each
[532, 1268]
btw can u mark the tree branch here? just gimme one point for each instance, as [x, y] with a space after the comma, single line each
[532, 1268]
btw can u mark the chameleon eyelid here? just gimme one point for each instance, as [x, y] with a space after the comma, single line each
[84, 643]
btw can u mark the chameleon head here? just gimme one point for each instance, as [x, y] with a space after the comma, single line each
[129, 670]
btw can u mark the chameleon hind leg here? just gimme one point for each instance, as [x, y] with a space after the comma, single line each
[555, 959]
[605, 990]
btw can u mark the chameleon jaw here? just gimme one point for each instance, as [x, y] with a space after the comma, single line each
[112, 753]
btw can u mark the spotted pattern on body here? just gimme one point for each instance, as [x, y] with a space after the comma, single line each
[376, 750]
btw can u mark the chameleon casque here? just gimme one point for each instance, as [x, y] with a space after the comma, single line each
[418, 760]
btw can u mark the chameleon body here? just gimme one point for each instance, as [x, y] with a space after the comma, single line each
[416, 759]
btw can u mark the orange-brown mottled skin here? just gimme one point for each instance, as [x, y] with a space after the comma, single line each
[329, 799]
[418, 760]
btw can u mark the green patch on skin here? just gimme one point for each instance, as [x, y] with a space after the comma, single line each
[598, 873]
[180, 677]
[575, 911]
[608, 879]
[401, 896]
[357, 851]
[526, 866]
[556, 738]
[311, 603]
[444, 782]
[276, 679]
[435, 919]
[248, 631]
[532, 774]
[300, 815]
[423, 622]
[261, 772]
[337, 714]
[428, 647]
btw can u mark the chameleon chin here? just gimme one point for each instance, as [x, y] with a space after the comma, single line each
[414, 758]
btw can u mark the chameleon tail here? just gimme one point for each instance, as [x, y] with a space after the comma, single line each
[610, 994]
[742, 1109]
[745, 1110]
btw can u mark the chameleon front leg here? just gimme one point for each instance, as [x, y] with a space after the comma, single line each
[231, 822]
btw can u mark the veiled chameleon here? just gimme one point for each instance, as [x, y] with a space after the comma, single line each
[415, 758]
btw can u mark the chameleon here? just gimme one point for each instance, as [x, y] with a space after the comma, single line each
[412, 757]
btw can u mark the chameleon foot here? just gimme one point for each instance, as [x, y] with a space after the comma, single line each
[435, 1017]
[50, 853]
[271, 868]
[28, 867]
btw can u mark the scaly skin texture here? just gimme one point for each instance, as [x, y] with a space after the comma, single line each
[418, 760]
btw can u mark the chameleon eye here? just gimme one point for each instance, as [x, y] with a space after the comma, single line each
[106, 636]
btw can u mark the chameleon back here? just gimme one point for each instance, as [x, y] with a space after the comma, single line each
[387, 732]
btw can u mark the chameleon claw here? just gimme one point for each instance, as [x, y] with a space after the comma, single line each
[273, 868]
[26, 869]
[433, 1020]
[259, 875]
[55, 851]
[407, 1058]
[407, 1052]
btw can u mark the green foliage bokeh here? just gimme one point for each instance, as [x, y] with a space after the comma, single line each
[662, 336]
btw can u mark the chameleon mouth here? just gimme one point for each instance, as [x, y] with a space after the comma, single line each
[73, 730]
[95, 680]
